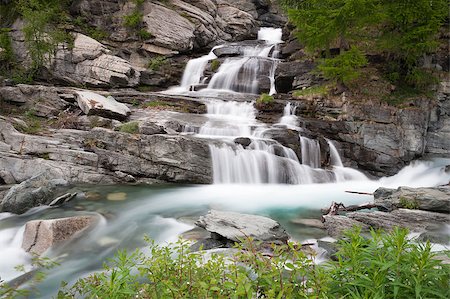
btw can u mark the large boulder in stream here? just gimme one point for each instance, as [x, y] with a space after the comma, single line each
[38, 190]
[40, 235]
[237, 227]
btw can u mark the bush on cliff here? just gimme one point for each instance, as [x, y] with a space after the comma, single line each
[401, 31]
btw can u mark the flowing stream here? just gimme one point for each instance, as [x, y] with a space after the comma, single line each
[253, 173]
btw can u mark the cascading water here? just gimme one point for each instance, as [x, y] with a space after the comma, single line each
[238, 74]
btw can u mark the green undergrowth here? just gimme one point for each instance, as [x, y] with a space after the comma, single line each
[384, 265]
[156, 63]
[154, 104]
[320, 90]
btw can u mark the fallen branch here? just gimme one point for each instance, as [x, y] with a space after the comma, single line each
[357, 192]
[335, 208]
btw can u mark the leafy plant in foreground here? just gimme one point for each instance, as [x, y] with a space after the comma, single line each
[383, 266]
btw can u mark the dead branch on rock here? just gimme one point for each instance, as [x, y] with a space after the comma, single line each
[335, 208]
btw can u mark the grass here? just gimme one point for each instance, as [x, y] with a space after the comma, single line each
[320, 90]
[130, 127]
[34, 123]
[407, 203]
[154, 104]
[264, 99]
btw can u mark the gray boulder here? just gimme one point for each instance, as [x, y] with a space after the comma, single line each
[94, 104]
[429, 199]
[40, 235]
[236, 226]
[38, 190]
[336, 225]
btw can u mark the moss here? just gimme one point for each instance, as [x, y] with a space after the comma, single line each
[215, 64]
[130, 127]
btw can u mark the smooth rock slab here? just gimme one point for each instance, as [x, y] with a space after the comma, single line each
[40, 235]
[94, 104]
[236, 226]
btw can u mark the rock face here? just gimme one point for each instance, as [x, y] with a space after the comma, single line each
[95, 104]
[91, 63]
[438, 135]
[38, 190]
[40, 235]
[237, 227]
[428, 199]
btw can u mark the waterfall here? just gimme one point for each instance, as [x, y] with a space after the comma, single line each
[256, 157]
[310, 152]
[289, 118]
[237, 74]
[335, 158]
[195, 68]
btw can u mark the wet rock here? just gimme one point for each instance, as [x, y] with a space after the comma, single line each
[40, 235]
[244, 141]
[336, 225]
[94, 104]
[414, 220]
[38, 190]
[429, 199]
[236, 226]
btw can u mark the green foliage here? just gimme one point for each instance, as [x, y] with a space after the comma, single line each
[401, 30]
[13, 291]
[144, 34]
[130, 127]
[314, 90]
[409, 203]
[264, 99]
[94, 32]
[133, 20]
[383, 266]
[387, 266]
[42, 35]
[156, 63]
[344, 67]
[7, 58]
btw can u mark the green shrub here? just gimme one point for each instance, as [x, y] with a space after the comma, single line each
[344, 67]
[264, 99]
[156, 63]
[130, 127]
[383, 266]
[144, 34]
[133, 20]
